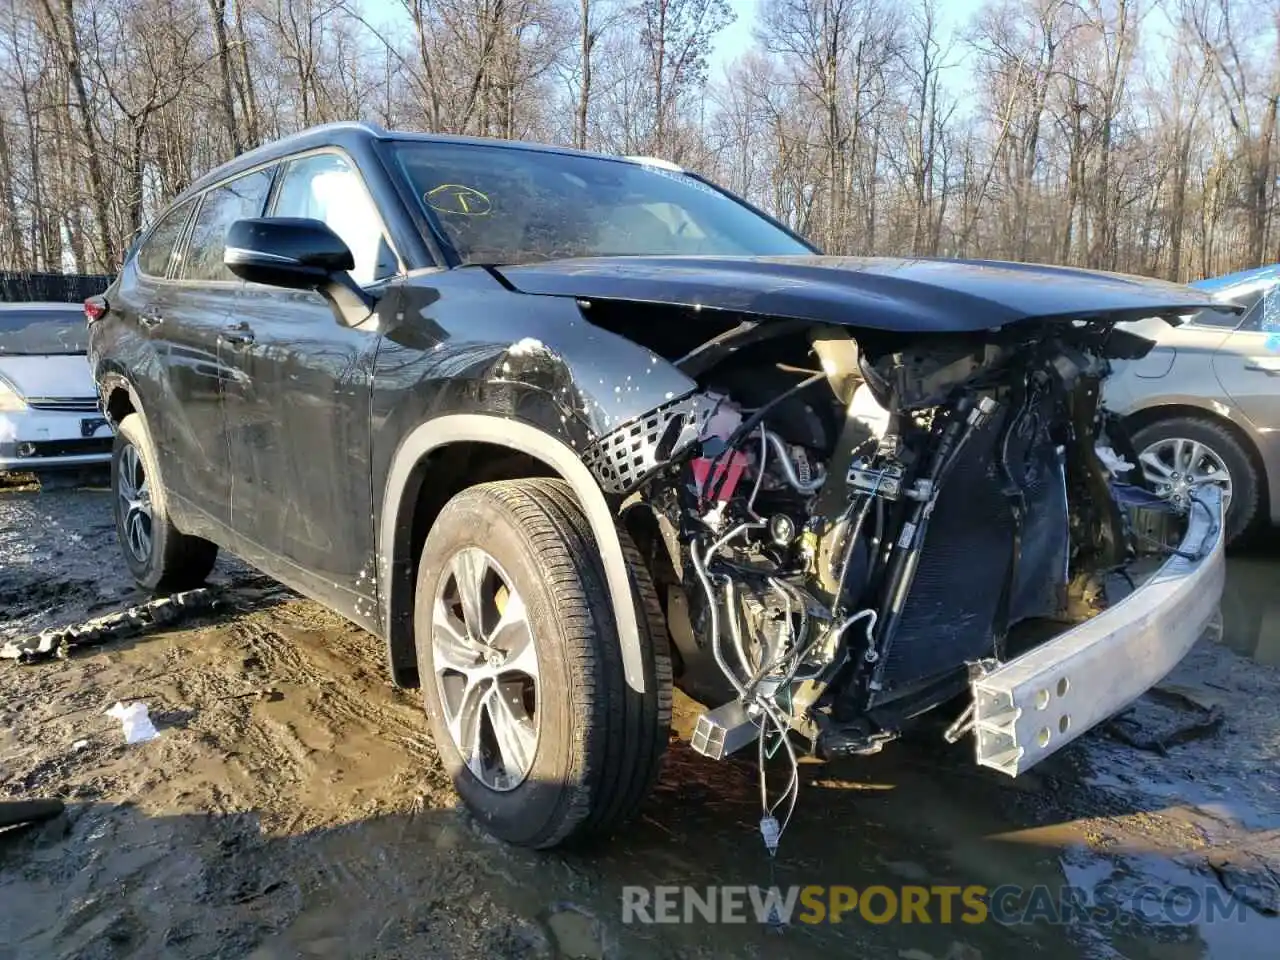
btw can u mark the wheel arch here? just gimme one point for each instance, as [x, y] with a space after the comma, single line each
[119, 398]
[1146, 416]
[411, 503]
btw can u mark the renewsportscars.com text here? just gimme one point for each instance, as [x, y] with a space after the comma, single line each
[973, 904]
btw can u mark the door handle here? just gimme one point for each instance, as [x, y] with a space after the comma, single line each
[1267, 365]
[150, 320]
[239, 335]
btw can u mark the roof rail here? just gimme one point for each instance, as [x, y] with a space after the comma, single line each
[364, 125]
[655, 162]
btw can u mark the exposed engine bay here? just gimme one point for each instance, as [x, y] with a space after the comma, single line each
[846, 531]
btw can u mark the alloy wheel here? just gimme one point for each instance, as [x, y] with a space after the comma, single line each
[486, 669]
[1177, 466]
[134, 490]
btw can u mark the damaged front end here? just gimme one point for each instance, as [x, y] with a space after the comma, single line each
[850, 527]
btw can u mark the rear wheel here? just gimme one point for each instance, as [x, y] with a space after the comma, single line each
[521, 666]
[159, 556]
[1182, 454]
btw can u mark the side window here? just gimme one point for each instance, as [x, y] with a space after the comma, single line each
[154, 255]
[222, 206]
[326, 187]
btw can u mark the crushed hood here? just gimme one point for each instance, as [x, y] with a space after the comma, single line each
[905, 295]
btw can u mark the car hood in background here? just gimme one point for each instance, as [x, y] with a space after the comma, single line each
[64, 375]
[907, 295]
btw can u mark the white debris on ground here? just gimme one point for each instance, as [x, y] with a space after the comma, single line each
[136, 721]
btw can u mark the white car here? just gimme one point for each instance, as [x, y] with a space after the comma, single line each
[49, 412]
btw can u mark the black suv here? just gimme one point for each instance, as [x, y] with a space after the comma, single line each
[533, 416]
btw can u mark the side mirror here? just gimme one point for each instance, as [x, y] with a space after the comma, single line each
[299, 254]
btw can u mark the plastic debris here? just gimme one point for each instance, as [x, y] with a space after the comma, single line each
[1114, 463]
[138, 727]
[1165, 717]
[60, 641]
[15, 812]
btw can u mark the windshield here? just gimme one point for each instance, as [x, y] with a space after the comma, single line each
[505, 205]
[42, 332]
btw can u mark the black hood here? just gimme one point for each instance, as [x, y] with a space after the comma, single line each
[906, 295]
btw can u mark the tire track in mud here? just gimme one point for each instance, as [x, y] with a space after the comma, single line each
[332, 712]
[307, 713]
[348, 697]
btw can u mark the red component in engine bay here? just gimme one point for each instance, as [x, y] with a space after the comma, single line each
[725, 480]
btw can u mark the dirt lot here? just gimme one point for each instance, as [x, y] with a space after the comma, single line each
[293, 806]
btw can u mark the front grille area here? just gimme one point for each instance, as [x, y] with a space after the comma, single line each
[64, 404]
[951, 610]
[57, 448]
[964, 563]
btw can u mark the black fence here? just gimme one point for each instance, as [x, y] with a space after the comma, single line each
[55, 287]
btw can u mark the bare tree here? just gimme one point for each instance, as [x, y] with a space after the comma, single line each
[1136, 135]
[677, 35]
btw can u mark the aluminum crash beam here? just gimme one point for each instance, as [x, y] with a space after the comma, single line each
[1036, 704]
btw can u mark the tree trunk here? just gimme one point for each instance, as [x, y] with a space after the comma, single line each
[587, 41]
[218, 14]
[63, 24]
[17, 253]
[249, 99]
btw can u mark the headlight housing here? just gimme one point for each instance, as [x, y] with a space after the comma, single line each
[11, 400]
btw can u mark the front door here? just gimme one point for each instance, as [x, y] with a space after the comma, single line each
[297, 408]
[1248, 363]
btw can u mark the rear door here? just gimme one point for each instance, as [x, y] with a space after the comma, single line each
[297, 401]
[192, 434]
[140, 304]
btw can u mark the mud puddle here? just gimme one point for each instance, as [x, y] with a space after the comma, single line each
[1251, 606]
[293, 806]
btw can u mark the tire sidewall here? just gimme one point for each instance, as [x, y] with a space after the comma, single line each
[132, 432]
[555, 780]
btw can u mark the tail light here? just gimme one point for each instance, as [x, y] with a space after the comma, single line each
[95, 308]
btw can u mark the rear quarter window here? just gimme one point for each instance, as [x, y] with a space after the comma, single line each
[157, 250]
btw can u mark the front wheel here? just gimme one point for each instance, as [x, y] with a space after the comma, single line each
[1178, 455]
[521, 666]
[159, 556]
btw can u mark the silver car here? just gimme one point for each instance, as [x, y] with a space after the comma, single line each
[1204, 405]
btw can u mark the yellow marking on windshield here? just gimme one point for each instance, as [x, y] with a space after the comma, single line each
[459, 200]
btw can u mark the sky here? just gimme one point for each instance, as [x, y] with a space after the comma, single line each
[737, 38]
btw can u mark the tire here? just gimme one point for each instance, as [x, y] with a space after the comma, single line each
[1246, 484]
[597, 745]
[165, 560]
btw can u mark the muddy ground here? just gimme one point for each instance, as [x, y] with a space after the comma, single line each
[293, 805]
